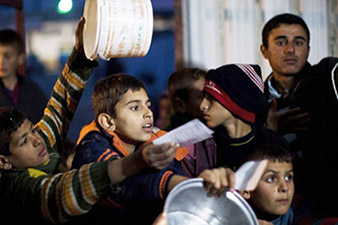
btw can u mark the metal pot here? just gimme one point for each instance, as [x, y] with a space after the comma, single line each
[188, 204]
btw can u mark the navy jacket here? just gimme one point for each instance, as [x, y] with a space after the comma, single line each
[317, 148]
[137, 200]
[231, 152]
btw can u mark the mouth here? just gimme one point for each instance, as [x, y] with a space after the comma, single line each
[283, 201]
[206, 116]
[290, 60]
[43, 152]
[148, 127]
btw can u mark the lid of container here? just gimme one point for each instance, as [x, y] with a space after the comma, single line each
[188, 203]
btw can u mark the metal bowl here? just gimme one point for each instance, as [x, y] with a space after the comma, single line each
[188, 204]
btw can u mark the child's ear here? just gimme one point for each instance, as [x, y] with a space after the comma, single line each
[179, 105]
[264, 51]
[106, 122]
[4, 163]
[245, 194]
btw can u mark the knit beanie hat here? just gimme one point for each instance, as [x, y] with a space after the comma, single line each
[239, 88]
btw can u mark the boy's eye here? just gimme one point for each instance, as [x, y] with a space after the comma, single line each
[24, 142]
[299, 43]
[270, 179]
[289, 177]
[281, 42]
[134, 108]
[208, 97]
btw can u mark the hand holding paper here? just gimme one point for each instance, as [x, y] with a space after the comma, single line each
[249, 174]
[187, 134]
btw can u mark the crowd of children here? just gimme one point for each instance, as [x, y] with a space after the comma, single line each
[119, 176]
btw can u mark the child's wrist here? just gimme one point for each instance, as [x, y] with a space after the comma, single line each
[144, 157]
[78, 60]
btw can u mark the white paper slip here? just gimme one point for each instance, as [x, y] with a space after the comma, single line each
[249, 174]
[187, 134]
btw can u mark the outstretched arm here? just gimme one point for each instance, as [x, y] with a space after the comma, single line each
[66, 93]
[75, 192]
[150, 156]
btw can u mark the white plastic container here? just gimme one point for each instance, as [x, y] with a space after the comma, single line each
[117, 28]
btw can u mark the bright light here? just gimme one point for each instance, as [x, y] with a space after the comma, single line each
[64, 6]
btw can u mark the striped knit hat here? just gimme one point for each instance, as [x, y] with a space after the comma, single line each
[239, 88]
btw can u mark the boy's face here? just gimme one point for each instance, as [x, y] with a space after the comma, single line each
[10, 59]
[214, 113]
[134, 119]
[287, 50]
[195, 98]
[275, 190]
[27, 147]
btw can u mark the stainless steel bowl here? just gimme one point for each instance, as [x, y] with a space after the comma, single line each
[188, 204]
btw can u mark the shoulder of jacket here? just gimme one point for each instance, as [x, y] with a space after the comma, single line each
[94, 137]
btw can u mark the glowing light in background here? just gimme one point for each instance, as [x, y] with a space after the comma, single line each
[65, 6]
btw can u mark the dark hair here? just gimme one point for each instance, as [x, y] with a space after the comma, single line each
[10, 120]
[109, 91]
[285, 18]
[269, 151]
[180, 81]
[12, 38]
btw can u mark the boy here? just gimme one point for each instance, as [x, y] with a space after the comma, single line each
[30, 189]
[18, 91]
[185, 88]
[304, 108]
[272, 198]
[234, 105]
[123, 123]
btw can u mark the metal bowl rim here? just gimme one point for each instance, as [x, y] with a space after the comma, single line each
[198, 183]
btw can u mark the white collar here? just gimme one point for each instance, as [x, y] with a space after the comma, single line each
[273, 92]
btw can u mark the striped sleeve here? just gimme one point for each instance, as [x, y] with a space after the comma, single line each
[163, 187]
[64, 99]
[74, 193]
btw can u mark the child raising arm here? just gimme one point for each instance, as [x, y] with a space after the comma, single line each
[30, 185]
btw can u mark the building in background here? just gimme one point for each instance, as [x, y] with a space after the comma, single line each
[217, 32]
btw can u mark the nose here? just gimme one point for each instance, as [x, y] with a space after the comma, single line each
[204, 106]
[283, 187]
[37, 140]
[148, 113]
[290, 48]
